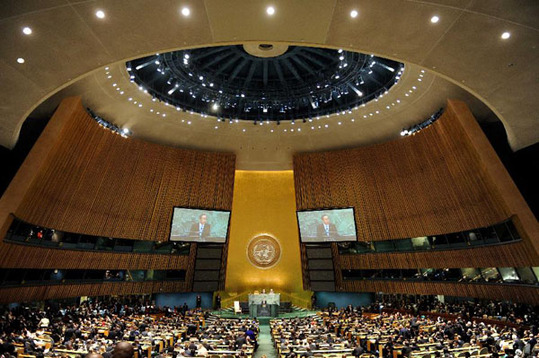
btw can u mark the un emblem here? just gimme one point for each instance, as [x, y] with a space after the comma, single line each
[264, 251]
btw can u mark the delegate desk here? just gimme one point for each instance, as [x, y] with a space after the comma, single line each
[264, 304]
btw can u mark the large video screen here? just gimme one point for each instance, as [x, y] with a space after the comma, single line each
[327, 225]
[198, 225]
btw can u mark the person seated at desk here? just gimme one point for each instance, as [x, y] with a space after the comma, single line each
[358, 350]
[123, 350]
[307, 353]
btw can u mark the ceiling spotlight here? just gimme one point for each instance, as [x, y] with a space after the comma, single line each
[353, 14]
[20, 60]
[27, 31]
[270, 10]
[186, 11]
[434, 19]
[506, 35]
[100, 14]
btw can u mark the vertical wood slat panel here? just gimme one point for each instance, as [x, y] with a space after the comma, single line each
[426, 184]
[431, 183]
[36, 293]
[99, 183]
[22, 256]
[518, 254]
[526, 294]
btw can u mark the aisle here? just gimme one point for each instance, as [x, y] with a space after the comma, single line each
[265, 345]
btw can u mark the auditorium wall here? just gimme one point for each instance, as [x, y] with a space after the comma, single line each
[82, 178]
[264, 204]
[343, 299]
[444, 179]
[178, 299]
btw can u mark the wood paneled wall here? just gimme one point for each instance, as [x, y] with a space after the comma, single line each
[24, 256]
[99, 183]
[39, 293]
[444, 179]
[82, 178]
[519, 254]
[500, 292]
[425, 184]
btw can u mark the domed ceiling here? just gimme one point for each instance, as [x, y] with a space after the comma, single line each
[249, 83]
[481, 52]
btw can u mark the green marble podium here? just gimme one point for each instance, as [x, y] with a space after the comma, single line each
[264, 304]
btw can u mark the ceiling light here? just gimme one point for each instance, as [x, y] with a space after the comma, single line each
[100, 14]
[270, 10]
[27, 31]
[20, 60]
[353, 14]
[434, 19]
[186, 11]
[506, 35]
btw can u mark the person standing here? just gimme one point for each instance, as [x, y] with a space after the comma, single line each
[201, 229]
[327, 230]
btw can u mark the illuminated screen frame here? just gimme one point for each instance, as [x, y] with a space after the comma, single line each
[197, 241]
[326, 209]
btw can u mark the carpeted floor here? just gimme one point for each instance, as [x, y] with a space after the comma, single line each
[229, 314]
[265, 345]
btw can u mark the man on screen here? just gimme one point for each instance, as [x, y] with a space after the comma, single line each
[200, 229]
[327, 230]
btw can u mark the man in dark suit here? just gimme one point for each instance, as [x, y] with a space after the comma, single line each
[327, 230]
[200, 229]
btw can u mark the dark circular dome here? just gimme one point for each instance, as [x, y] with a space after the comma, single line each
[230, 83]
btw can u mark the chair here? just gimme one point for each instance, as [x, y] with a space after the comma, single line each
[483, 351]
[237, 307]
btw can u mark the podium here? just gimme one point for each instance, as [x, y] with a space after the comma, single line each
[264, 304]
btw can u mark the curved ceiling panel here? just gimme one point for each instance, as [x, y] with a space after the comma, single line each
[465, 45]
[230, 83]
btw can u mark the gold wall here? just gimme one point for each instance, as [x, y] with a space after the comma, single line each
[264, 203]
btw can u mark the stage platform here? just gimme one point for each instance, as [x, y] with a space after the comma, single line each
[227, 313]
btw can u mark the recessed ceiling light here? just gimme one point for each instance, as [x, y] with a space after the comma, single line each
[270, 10]
[27, 31]
[186, 11]
[100, 14]
[506, 35]
[20, 60]
[353, 14]
[434, 19]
